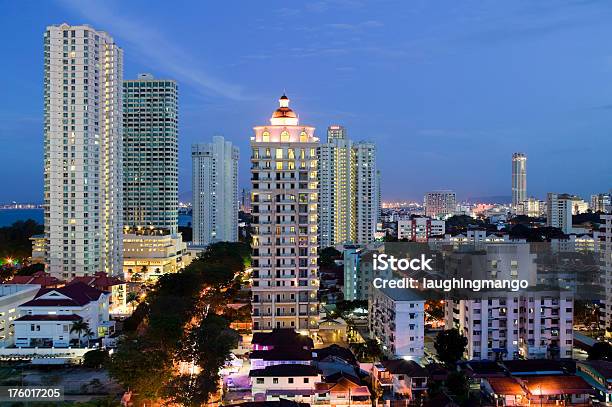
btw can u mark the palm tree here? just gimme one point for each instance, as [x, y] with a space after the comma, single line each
[88, 334]
[79, 327]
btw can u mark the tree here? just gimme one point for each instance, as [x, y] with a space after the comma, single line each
[600, 351]
[328, 256]
[89, 334]
[208, 346]
[450, 345]
[132, 299]
[79, 327]
[141, 367]
[458, 386]
[96, 358]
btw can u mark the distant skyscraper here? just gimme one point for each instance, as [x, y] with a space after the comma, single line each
[440, 204]
[245, 200]
[83, 151]
[519, 179]
[349, 193]
[601, 202]
[150, 153]
[367, 193]
[215, 192]
[285, 200]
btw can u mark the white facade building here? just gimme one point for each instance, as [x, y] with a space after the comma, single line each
[285, 217]
[83, 151]
[215, 192]
[530, 323]
[419, 229]
[440, 204]
[11, 297]
[559, 208]
[349, 200]
[397, 320]
[46, 320]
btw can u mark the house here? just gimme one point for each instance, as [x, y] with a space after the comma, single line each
[261, 359]
[597, 373]
[11, 297]
[344, 391]
[505, 391]
[295, 382]
[115, 286]
[400, 378]
[44, 280]
[281, 338]
[546, 390]
[46, 320]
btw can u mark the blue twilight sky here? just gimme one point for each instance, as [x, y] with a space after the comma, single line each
[447, 89]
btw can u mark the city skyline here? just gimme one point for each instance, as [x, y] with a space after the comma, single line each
[442, 119]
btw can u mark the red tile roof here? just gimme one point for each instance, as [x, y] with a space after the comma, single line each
[99, 280]
[78, 295]
[550, 385]
[506, 386]
[40, 277]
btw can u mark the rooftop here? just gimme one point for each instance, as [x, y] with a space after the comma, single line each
[286, 370]
[407, 367]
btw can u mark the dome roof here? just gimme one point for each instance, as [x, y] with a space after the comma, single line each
[284, 112]
[284, 115]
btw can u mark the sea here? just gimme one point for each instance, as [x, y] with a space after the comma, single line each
[10, 216]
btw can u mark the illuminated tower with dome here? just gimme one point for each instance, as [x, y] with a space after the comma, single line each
[284, 207]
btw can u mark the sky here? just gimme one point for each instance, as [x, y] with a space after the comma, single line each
[447, 90]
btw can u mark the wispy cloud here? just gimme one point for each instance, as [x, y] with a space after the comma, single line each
[153, 45]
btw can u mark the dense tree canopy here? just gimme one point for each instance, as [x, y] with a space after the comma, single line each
[450, 345]
[178, 322]
[15, 239]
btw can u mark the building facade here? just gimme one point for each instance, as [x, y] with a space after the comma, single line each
[349, 200]
[420, 229]
[83, 151]
[397, 320]
[559, 211]
[215, 192]
[606, 266]
[150, 153]
[519, 179]
[284, 205]
[440, 204]
[601, 202]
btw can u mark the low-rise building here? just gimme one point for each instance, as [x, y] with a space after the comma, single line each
[40, 278]
[343, 392]
[47, 320]
[419, 229]
[397, 320]
[11, 297]
[115, 286]
[598, 373]
[566, 390]
[38, 249]
[285, 381]
[400, 378]
[149, 253]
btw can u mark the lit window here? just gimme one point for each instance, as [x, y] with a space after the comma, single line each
[284, 136]
[265, 136]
